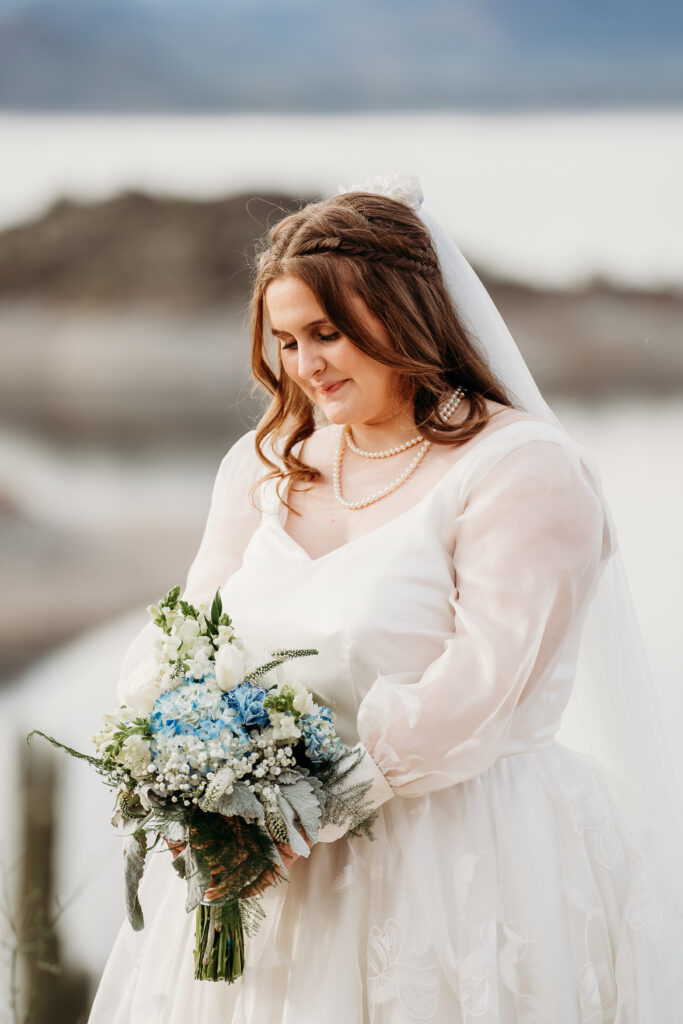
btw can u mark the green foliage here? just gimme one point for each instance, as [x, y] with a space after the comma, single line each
[278, 658]
[96, 762]
[169, 600]
[347, 804]
[282, 701]
[138, 727]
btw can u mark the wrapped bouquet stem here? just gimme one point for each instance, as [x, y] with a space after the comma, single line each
[228, 767]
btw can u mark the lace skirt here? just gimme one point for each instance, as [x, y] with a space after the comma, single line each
[517, 897]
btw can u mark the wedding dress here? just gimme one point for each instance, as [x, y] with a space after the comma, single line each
[503, 885]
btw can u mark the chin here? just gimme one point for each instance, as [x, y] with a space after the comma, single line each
[337, 415]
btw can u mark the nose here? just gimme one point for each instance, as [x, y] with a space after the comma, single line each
[310, 362]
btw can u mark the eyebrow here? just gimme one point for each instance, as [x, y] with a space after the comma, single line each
[313, 323]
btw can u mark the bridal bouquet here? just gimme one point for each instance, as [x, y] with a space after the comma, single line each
[223, 760]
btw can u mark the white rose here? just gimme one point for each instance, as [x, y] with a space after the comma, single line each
[142, 686]
[135, 755]
[229, 666]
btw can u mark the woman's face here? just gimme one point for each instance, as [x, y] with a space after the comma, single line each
[350, 386]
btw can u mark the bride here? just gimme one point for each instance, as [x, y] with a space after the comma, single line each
[410, 506]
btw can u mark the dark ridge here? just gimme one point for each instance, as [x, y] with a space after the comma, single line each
[135, 247]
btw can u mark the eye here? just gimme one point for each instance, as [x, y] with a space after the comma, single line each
[321, 337]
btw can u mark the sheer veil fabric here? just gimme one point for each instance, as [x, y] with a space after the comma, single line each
[614, 715]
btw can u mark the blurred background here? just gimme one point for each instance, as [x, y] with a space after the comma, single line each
[145, 146]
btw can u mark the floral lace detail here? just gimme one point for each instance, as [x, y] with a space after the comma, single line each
[344, 880]
[596, 982]
[393, 977]
[593, 817]
[646, 909]
[493, 962]
[463, 876]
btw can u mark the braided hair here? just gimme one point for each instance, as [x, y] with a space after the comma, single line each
[379, 249]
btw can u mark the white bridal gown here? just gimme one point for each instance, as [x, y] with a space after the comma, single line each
[503, 887]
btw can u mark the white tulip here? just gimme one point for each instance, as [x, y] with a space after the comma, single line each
[229, 666]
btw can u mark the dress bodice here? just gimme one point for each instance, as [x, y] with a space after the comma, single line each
[467, 606]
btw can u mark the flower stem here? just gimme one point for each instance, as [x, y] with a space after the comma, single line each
[219, 942]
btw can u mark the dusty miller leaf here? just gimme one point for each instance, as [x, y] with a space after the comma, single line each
[192, 867]
[134, 853]
[307, 800]
[294, 837]
[242, 802]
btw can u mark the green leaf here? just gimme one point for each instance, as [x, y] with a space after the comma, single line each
[216, 608]
[96, 762]
[134, 854]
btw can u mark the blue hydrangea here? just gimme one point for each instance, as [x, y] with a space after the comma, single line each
[246, 701]
[193, 710]
[320, 739]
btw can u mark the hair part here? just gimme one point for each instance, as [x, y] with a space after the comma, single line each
[379, 249]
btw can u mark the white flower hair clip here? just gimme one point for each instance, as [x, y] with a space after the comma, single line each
[405, 188]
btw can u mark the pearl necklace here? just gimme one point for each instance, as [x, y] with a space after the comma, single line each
[447, 411]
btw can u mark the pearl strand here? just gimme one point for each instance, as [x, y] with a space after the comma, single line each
[448, 410]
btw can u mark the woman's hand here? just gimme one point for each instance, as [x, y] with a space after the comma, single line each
[265, 879]
[269, 877]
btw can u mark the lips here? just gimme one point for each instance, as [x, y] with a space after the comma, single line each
[326, 389]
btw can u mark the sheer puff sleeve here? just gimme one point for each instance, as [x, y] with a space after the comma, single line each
[528, 552]
[230, 524]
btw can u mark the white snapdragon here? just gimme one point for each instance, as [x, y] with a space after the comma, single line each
[111, 720]
[303, 701]
[142, 686]
[167, 647]
[200, 665]
[135, 755]
[229, 666]
[284, 726]
[171, 615]
[187, 630]
[225, 633]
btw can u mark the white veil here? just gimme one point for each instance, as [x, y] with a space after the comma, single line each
[614, 716]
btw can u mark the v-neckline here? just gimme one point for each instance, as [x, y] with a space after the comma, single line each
[281, 507]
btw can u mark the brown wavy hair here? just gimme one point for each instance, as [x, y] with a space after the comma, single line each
[379, 249]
